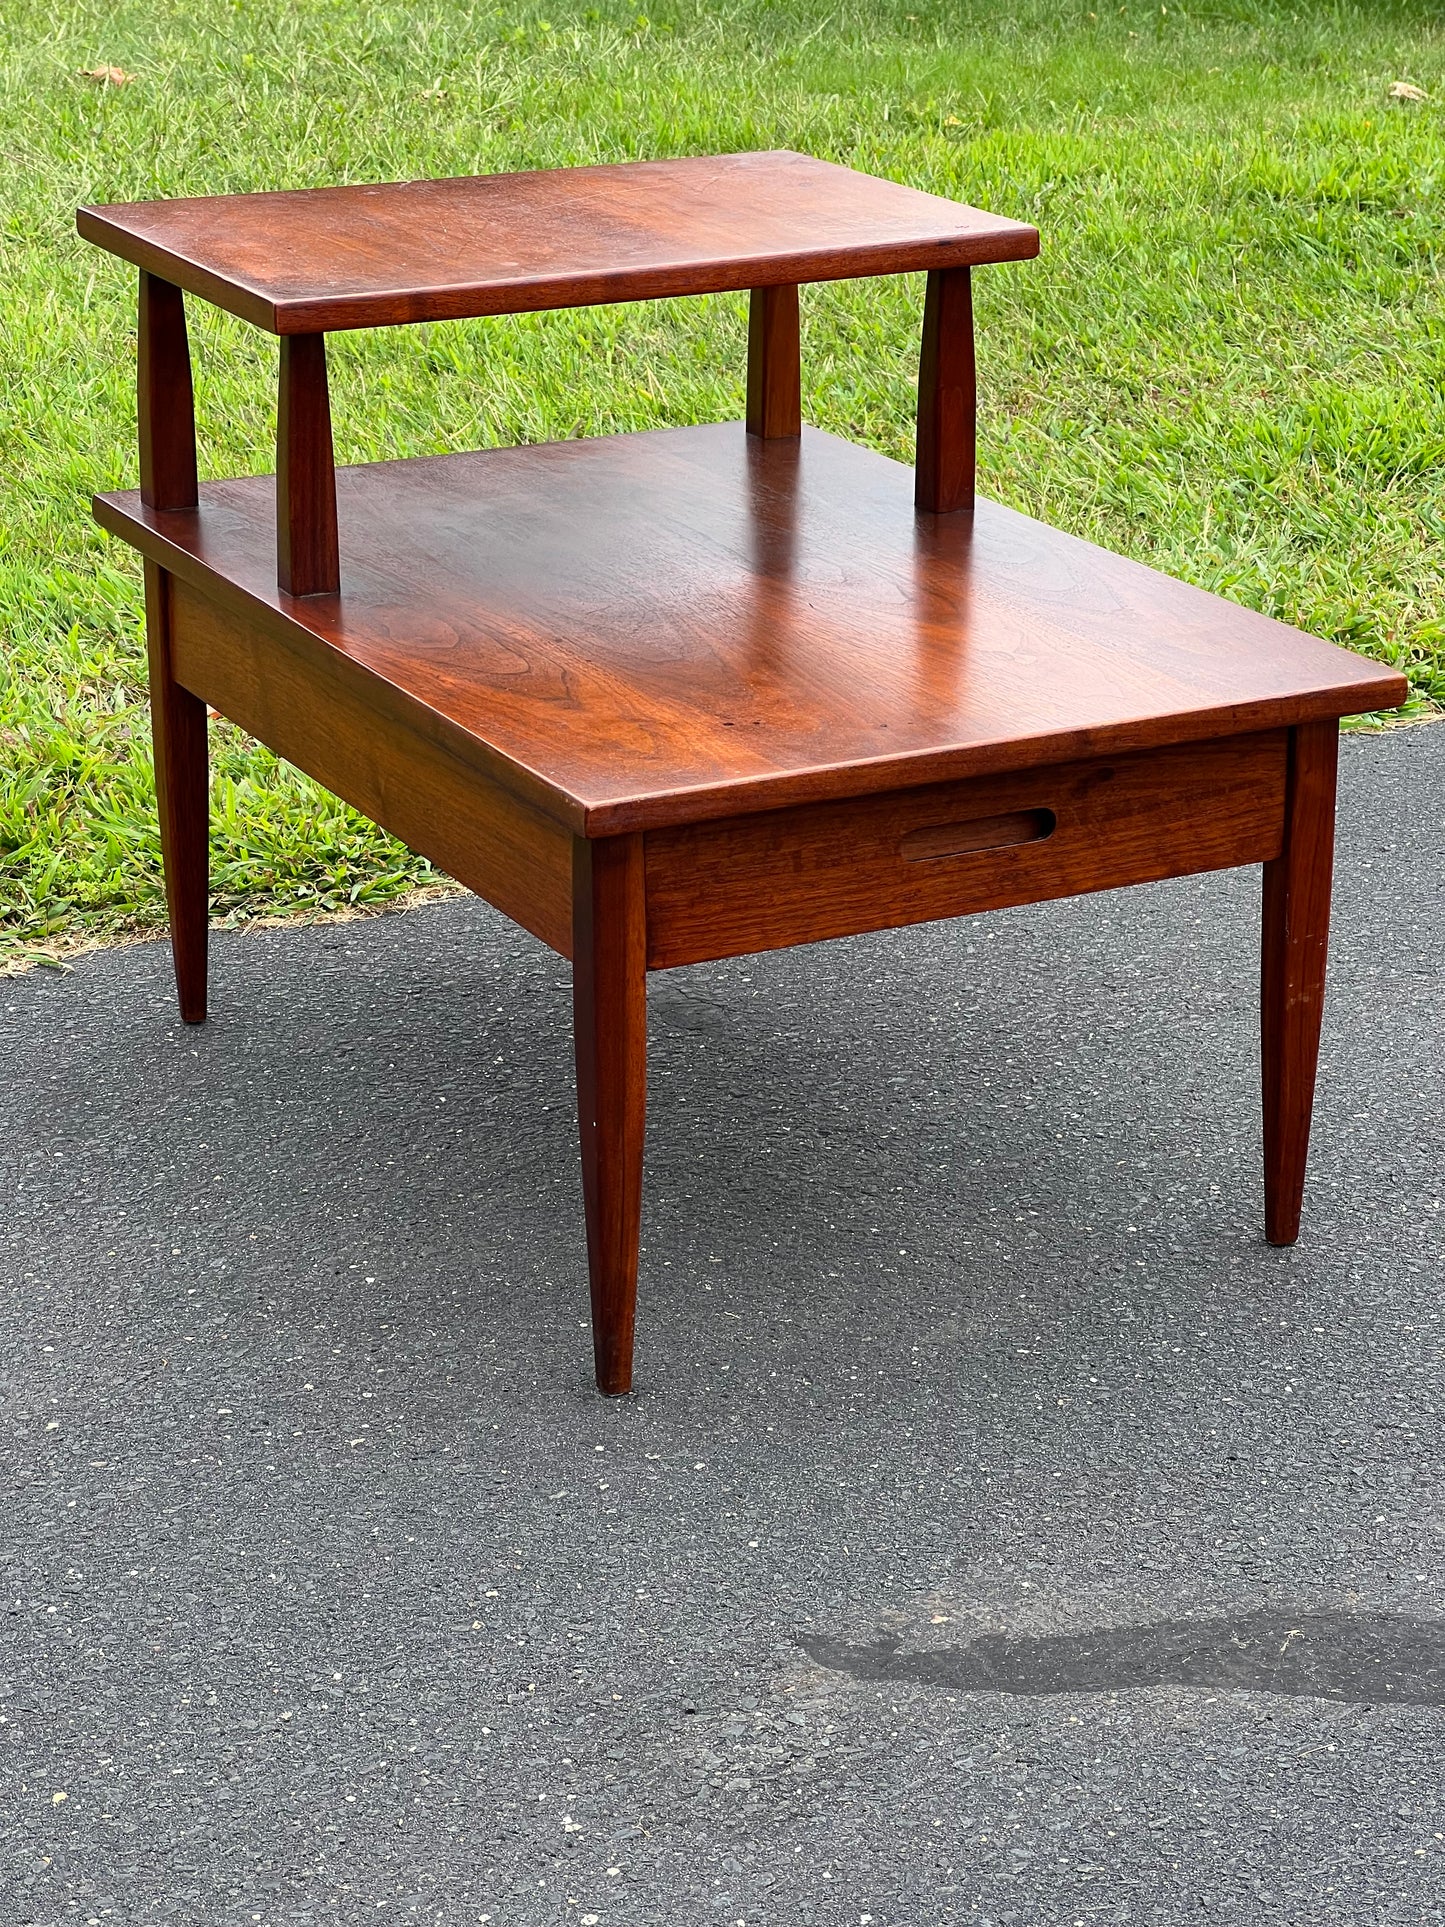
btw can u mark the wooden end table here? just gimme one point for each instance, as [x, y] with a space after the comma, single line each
[682, 695]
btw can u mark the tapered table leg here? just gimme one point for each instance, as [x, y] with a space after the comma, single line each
[167, 423]
[178, 729]
[1292, 977]
[609, 993]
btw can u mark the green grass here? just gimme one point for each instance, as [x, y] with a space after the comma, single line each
[1228, 362]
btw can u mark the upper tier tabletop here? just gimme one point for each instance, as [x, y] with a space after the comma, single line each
[692, 623]
[318, 259]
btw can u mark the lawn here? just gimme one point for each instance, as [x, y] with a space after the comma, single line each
[1228, 361]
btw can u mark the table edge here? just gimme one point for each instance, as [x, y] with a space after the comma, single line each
[545, 293]
[122, 513]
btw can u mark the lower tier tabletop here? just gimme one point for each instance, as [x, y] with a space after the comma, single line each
[647, 630]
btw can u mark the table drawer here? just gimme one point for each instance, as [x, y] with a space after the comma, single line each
[760, 882]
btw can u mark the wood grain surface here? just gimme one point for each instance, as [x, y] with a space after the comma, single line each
[875, 863]
[313, 260]
[670, 627]
[317, 712]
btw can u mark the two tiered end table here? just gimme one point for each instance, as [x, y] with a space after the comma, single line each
[693, 693]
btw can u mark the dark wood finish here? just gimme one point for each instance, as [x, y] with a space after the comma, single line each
[319, 713]
[695, 693]
[947, 396]
[609, 994]
[320, 259]
[165, 411]
[964, 833]
[775, 388]
[178, 731]
[307, 556]
[1296, 928]
[662, 628]
[830, 869]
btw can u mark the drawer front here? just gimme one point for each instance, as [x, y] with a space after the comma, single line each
[831, 869]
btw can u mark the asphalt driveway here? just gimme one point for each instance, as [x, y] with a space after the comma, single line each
[1001, 1531]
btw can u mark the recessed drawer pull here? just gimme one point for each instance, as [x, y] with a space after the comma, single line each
[983, 833]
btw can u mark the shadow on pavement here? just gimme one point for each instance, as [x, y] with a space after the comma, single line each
[1369, 1659]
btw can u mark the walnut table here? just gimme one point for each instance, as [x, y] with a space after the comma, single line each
[672, 696]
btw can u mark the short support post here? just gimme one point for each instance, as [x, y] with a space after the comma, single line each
[947, 395]
[775, 382]
[307, 558]
[1296, 927]
[609, 996]
[166, 415]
